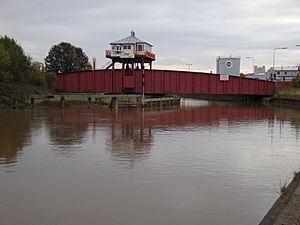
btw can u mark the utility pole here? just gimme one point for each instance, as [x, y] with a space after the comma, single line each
[250, 57]
[273, 77]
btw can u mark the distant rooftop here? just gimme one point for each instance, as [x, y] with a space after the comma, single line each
[287, 68]
[228, 57]
[132, 39]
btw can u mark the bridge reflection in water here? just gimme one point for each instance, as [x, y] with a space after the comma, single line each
[130, 129]
[210, 162]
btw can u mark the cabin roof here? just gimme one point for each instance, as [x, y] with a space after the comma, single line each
[131, 39]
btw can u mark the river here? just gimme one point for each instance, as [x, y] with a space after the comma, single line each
[199, 163]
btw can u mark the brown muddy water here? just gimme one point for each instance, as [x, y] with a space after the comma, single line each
[198, 163]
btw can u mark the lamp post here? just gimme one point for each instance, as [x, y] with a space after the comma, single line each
[251, 57]
[273, 69]
[189, 66]
[299, 65]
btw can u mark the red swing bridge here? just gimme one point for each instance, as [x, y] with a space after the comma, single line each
[133, 78]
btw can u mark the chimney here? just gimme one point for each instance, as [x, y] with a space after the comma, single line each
[132, 33]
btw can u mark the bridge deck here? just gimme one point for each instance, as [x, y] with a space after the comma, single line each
[161, 82]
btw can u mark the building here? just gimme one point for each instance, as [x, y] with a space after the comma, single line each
[228, 65]
[259, 76]
[259, 70]
[38, 66]
[259, 73]
[284, 73]
[130, 51]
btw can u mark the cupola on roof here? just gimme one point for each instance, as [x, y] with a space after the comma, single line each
[132, 39]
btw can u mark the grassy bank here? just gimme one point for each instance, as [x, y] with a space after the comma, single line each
[12, 91]
[289, 92]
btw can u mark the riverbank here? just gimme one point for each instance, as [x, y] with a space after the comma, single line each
[292, 102]
[15, 94]
[286, 210]
[102, 100]
[289, 92]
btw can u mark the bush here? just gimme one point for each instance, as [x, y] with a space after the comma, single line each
[296, 82]
[37, 79]
[50, 80]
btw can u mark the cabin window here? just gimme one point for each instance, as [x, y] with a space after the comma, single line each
[140, 47]
[126, 47]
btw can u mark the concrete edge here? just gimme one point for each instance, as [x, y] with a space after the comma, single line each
[281, 202]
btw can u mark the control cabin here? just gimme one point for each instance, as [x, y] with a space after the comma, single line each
[130, 50]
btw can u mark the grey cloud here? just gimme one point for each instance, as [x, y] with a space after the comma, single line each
[181, 31]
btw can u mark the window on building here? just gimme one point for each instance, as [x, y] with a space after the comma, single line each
[125, 47]
[117, 48]
[285, 73]
[278, 73]
[140, 47]
[129, 46]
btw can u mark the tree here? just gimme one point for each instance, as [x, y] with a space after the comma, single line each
[65, 57]
[14, 64]
[296, 82]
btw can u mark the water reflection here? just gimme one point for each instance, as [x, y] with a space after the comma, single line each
[14, 134]
[130, 131]
[182, 164]
[67, 129]
[289, 116]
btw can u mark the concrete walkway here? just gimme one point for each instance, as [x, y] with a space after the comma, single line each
[286, 210]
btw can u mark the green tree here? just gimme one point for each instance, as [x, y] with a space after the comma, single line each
[65, 57]
[14, 64]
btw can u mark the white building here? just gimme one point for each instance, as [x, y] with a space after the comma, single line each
[228, 65]
[130, 47]
[259, 69]
[284, 73]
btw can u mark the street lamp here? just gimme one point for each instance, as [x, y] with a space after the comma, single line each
[273, 69]
[251, 57]
[189, 65]
[299, 65]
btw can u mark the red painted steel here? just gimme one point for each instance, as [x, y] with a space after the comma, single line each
[139, 126]
[161, 82]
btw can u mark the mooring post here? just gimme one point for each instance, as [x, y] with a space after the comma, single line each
[114, 102]
[62, 102]
[89, 102]
[14, 106]
[139, 101]
[32, 102]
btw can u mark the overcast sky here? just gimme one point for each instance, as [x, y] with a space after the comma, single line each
[190, 31]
